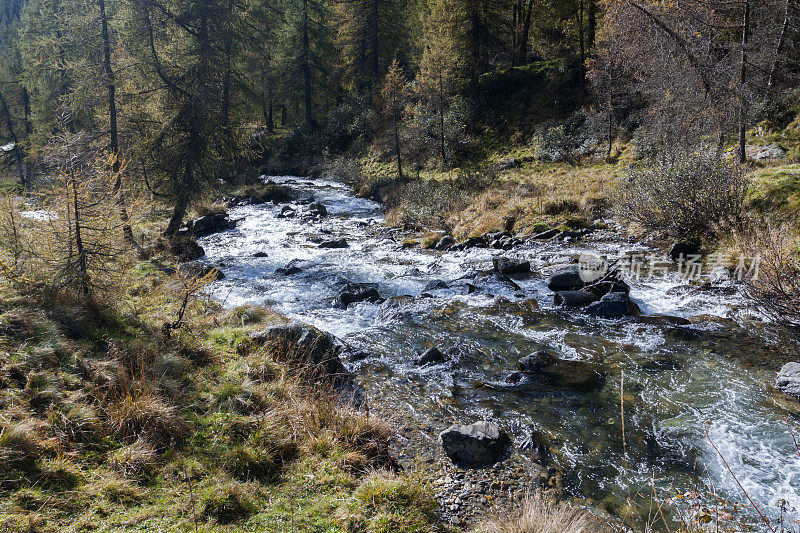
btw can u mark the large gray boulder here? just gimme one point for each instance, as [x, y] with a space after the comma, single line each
[479, 444]
[788, 381]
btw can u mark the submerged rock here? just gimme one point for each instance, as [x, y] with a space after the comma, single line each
[355, 293]
[510, 265]
[317, 209]
[336, 243]
[788, 380]
[431, 356]
[290, 268]
[537, 361]
[287, 212]
[479, 444]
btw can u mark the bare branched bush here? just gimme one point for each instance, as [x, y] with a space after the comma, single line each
[684, 194]
[776, 288]
[428, 203]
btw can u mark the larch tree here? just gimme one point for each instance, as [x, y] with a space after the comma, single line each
[394, 98]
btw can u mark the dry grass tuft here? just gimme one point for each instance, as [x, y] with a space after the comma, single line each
[538, 516]
[146, 416]
[135, 461]
[20, 448]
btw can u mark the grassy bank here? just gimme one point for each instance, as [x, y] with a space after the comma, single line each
[109, 424]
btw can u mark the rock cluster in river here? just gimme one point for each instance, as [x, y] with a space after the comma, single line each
[608, 297]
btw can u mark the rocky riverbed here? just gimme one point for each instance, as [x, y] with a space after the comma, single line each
[668, 356]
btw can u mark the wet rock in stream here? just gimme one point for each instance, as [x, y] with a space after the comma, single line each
[336, 243]
[566, 279]
[355, 293]
[431, 356]
[478, 444]
[613, 305]
[510, 265]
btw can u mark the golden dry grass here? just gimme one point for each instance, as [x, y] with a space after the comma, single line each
[538, 516]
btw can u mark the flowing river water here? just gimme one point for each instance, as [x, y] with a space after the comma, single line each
[674, 382]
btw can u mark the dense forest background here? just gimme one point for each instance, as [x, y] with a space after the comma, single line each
[191, 92]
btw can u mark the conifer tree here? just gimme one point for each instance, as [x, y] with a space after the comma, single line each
[394, 93]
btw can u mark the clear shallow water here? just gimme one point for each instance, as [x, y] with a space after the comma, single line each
[708, 379]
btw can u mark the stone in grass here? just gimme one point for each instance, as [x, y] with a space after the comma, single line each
[479, 444]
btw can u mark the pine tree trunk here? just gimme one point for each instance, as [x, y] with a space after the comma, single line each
[17, 150]
[307, 70]
[591, 30]
[441, 122]
[743, 85]
[582, 49]
[522, 50]
[396, 124]
[79, 247]
[375, 41]
[773, 73]
[127, 232]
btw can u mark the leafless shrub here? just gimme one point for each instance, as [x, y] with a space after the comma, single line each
[776, 288]
[685, 194]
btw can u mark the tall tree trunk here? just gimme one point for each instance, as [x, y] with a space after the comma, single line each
[773, 72]
[475, 49]
[441, 121]
[581, 43]
[80, 249]
[591, 30]
[270, 118]
[522, 49]
[397, 151]
[307, 70]
[375, 42]
[17, 150]
[743, 85]
[111, 85]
